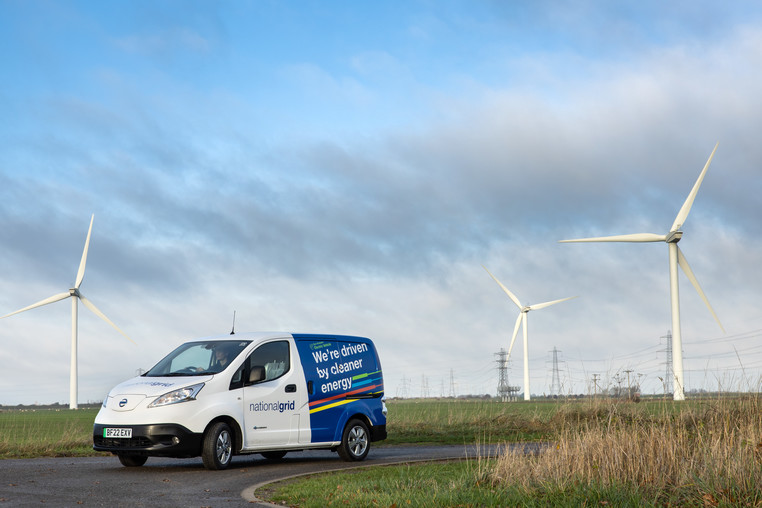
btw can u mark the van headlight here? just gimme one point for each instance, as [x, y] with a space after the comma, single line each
[179, 395]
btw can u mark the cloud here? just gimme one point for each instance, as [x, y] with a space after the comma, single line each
[361, 193]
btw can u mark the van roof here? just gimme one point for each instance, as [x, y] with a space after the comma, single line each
[257, 336]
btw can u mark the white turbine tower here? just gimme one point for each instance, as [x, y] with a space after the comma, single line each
[675, 258]
[523, 311]
[75, 295]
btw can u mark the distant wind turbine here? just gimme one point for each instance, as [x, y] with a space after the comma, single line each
[675, 258]
[75, 295]
[523, 311]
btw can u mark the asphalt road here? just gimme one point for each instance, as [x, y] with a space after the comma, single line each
[103, 481]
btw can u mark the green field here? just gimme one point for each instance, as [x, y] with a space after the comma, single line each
[64, 433]
[702, 452]
[449, 421]
[46, 433]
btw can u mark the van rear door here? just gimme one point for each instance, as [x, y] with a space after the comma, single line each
[342, 373]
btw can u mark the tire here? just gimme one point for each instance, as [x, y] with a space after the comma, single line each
[128, 460]
[217, 449]
[273, 455]
[355, 442]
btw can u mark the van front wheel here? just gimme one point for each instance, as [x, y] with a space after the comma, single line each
[217, 449]
[128, 460]
[355, 442]
[273, 455]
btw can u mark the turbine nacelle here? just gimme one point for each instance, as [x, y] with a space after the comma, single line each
[674, 236]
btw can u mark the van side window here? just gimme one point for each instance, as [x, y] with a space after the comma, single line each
[269, 361]
[237, 380]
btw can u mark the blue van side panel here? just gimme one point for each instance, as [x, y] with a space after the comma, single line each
[345, 378]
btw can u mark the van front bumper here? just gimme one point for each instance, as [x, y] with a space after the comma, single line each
[160, 440]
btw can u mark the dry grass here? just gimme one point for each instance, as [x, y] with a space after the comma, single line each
[708, 454]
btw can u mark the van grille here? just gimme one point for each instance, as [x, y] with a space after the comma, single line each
[135, 442]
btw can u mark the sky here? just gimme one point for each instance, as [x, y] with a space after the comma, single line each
[350, 167]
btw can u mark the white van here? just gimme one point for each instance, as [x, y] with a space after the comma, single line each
[267, 393]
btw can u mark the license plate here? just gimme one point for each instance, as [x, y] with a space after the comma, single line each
[124, 433]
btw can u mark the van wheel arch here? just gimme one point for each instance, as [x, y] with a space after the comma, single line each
[235, 430]
[366, 420]
[349, 417]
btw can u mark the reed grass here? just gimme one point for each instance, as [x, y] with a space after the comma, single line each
[706, 454]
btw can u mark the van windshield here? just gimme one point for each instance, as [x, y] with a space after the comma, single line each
[199, 358]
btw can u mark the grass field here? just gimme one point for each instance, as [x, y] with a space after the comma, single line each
[63, 432]
[696, 453]
[448, 421]
[705, 452]
[46, 433]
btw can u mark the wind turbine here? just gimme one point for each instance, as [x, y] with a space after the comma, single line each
[75, 295]
[675, 258]
[523, 311]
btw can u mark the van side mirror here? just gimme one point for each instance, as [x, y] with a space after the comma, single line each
[257, 374]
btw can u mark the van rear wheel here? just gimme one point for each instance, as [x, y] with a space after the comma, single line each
[217, 450]
[355, 442]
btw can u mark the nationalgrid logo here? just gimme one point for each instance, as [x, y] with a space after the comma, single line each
[278, 407]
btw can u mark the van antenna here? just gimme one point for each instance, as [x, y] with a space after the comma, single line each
[232, 332]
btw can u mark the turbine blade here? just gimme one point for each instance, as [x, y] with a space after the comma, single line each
[515, 332]
[81, 271]
[511, 295]
[548, 304]
[682, 215]
[689, 273]
[52, 299]
[635, 238]
[101, 315]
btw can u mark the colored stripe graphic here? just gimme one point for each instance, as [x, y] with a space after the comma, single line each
[346, 394]
[335, 404]
[360, 376]
[370, 381]
[329, 406]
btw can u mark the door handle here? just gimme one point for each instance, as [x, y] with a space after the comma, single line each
[290, 388]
